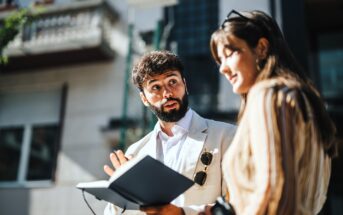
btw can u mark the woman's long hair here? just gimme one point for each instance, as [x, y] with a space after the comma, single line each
[280, 62]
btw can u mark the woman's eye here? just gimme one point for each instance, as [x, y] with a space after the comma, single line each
[229, 52]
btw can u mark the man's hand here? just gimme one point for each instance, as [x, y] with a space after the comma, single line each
[207, 210]
[168, 209]
[117, 159]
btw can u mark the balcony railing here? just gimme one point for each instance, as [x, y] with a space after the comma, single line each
[65, 33]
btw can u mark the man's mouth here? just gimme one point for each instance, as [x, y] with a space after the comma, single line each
[170, 104]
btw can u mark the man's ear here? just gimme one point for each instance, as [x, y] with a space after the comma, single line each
[262, 48]
[184, 81]
[143, 98]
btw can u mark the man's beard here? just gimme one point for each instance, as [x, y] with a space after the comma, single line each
[172, 115]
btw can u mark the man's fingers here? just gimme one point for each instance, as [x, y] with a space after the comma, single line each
[121, 157]
[150, 210]
[114, 160]
[207, 210]
[108, 170]
[117, 159]
[168, 209]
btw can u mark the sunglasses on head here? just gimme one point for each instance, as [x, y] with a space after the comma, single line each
[233, 15]
[206, 159]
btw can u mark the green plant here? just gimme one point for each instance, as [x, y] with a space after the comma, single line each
[10, 28]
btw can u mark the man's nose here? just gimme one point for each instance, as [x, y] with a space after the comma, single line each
[167, 93]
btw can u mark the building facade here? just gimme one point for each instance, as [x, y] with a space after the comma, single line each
[64, 87]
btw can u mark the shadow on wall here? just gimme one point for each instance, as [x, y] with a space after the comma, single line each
[21, 205]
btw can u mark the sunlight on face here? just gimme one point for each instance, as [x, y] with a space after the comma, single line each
[166, 96]
[238, 64]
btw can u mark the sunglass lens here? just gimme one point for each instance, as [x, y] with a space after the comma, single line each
[200, 178]
[206, 158]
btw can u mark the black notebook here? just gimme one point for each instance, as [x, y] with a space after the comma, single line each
[142, 181]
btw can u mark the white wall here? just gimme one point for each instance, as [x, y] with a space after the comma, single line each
[95, 93]
[144, 19]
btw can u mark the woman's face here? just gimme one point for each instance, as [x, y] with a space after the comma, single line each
[238, 64]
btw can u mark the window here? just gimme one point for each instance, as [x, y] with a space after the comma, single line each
[331, 63]
[29, 137]
[195, 20]
[6, 3]
[202, 82]
[10, 145]
[43, 148]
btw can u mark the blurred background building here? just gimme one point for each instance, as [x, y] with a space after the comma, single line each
[65, 102]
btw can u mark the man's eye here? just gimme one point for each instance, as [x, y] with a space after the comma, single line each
[155, 87]
[172, 82]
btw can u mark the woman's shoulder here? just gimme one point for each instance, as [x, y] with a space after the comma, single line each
[279, 93]
[275, 86]
[277, 83]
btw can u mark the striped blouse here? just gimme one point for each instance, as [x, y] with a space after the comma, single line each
[275, 164]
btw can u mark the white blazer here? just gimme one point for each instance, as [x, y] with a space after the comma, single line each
[203, 134]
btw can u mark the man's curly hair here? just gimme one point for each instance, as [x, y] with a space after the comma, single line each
[155, 63]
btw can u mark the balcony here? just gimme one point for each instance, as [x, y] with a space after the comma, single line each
[64, 34]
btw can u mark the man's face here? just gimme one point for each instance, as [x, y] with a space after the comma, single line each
[166, 96]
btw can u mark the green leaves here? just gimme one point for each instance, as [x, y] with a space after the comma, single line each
[10, 28]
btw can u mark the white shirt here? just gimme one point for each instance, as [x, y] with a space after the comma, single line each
[168, 151]
[169, 147]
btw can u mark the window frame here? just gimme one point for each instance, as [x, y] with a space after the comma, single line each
[21, 181]
[23, 168]
[4, 6]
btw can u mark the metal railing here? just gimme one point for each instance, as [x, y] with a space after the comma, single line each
[67, 27]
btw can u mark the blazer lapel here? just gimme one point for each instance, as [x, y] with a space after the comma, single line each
[149, 146]
[193, 145]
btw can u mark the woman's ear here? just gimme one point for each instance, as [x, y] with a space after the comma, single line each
[262, 48]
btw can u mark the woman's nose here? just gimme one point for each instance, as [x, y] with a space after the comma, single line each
[224, 69]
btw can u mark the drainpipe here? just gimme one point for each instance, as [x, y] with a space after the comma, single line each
[123, 128]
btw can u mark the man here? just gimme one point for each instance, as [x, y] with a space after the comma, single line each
[182, 140]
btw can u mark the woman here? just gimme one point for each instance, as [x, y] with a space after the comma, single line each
[280, 159]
